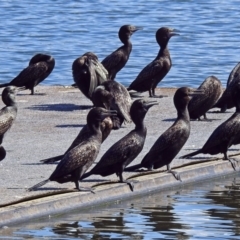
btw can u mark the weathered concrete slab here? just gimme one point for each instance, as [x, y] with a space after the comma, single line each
[46, 125]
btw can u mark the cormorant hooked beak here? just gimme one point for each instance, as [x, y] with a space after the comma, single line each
[135, 28]
[149, 104]
[173, 32]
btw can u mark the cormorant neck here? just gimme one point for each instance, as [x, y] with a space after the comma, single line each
[95, 128]
[163, 52]
[182, 113]
[10, 102]
[127, 43]
[139, 123]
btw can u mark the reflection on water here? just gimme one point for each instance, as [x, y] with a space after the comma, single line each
[203, 211]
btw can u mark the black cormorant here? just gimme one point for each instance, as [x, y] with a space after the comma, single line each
[88, 73]
[153, 73]
[172, 140]
[100, 99]
[117, 60]
[200, 104]
[225, 101]
[7, 114]
[124, 151]
[225, 135]
[40, 66]
[121, 101]
[77, 161]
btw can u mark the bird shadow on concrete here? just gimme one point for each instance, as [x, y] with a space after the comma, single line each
[70, 125]
[192, 158]
[94, 180]
[169, 120]
[218, 111]
[36, 163]
[35, 94]
[62, 107]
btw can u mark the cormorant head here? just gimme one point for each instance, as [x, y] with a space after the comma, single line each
[8, 94]
[102, 98]
[182, 96]
[91, 55]
[41, 58]
[126, 31]
[139, 109]
[97, 115]
[163, 35]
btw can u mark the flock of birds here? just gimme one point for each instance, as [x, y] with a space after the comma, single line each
[113, 104]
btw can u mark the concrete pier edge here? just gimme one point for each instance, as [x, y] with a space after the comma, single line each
[104, 194]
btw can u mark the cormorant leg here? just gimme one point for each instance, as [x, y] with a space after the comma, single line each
[130, 184]
[32, 91]
[204, 118]
[153, 95]
[232, 161]
[222, 110]
[83, 188]
[76, 175]
[175, 174]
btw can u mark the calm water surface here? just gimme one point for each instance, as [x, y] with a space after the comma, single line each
[208, 45]
[209, 210]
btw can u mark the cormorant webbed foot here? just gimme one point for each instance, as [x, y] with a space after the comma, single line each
[130, 184]
[175, 174]
[85, 189]
[231, 160]
[158, 96]
[203, 120]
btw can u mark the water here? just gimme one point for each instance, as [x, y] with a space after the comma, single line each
[202, 211]
[208, 45]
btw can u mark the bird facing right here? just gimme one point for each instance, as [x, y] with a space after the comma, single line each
[40, 66]
[173, 139]
[8, 114]
[154, 72]
[77, 161]
[124, 151]
[118, 59]
[225, 135]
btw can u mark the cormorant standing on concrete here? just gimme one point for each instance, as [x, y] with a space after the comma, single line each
[7, 114]
[172, 140]
[153, 73]
[40, 66]
[88, 73]
[76, 162]
[200, 104]
[121, 101]
[117, 60]
[126, 149]
[225, 135]
[100, 99]
[225, 101]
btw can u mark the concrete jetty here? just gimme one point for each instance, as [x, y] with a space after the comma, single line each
[46, 125]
